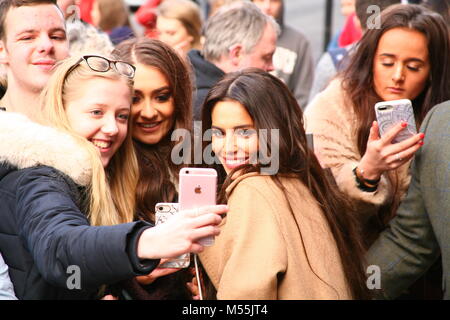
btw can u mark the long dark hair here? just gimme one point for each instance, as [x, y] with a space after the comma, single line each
[358, 78]
[271, 106]
[158, 172]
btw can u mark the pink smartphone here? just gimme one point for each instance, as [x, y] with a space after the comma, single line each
[197, 188]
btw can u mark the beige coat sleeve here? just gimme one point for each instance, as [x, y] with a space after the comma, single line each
[250, 252]
[332, 123]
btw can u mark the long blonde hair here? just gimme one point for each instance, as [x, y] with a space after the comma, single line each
[110, 192]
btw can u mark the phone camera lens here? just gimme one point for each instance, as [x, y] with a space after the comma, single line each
[161, 208]
[187, 172]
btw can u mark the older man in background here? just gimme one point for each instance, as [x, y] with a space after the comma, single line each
[293, 60]
[238, 36]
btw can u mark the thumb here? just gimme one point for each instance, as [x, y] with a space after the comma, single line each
[374, 132]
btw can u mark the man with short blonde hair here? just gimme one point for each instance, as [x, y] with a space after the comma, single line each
[32, 40]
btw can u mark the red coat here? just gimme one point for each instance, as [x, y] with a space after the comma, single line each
[350, 33]
[146, 16]
[85, 10]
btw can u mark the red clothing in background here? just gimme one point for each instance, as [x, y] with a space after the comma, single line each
[350, 33]
[146, 16]
[85, 10]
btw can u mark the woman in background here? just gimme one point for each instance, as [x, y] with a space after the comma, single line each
[409, 54]
[179, 24]
[410, 60]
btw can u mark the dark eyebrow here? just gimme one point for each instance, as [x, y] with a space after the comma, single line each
[159, 90]
[57, 29]
[393, 56]
[237, 127]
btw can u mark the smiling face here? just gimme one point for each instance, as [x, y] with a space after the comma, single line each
[401, 65]
[100, 114]
[35, 40]
[153, 105]
[234, 137]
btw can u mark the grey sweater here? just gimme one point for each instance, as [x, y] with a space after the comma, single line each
[294, 63]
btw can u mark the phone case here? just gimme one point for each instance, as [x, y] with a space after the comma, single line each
[164, 211]
[389, 113]
[197, 188]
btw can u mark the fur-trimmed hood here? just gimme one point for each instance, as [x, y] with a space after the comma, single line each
[25, 144]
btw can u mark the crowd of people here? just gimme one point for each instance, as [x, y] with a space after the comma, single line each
[310, 192]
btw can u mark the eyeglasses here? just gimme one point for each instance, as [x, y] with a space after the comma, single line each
[102, 64]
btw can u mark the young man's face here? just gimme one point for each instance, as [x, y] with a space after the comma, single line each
[35, 39]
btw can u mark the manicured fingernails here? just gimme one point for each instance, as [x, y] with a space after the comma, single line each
[404, 124]
[421, 143]
[422, 135]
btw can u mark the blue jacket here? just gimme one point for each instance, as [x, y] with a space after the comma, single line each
[46, 240]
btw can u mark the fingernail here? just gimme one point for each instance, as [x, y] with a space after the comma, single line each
[404, 124]
[422, 135]
[421, 143]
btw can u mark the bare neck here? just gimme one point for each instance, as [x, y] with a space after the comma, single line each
[20, 101]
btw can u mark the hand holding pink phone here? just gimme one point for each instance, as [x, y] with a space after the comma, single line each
[198, 189]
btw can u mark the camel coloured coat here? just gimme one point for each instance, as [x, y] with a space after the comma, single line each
[267, 251]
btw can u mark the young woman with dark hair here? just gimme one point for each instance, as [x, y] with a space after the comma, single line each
[288, 234]
[161, 104]
[407, 57]
[159, 108]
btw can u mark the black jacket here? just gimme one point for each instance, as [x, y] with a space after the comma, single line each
[43, 232]
[206, 76]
